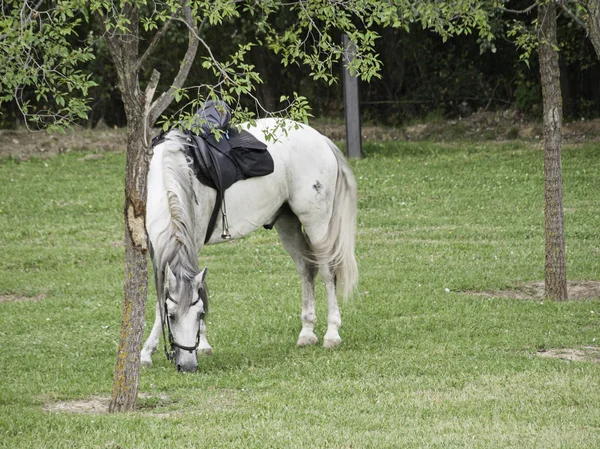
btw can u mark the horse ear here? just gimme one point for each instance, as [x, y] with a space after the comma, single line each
[199, 280]
[170, 281]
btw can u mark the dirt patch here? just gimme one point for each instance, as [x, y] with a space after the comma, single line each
[155, 405]
[90, 406]
[584, 354]
[21, 298]
[25, 144]
[118, 244]
[576, 290]
[96, 405]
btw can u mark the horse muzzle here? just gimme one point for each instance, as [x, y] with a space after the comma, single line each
[187, 368]
[189, 365]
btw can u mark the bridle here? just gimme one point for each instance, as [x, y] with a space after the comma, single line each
[170, 353]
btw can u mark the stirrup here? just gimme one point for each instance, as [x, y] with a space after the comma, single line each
[225, 235]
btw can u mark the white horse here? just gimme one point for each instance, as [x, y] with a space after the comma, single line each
[310, 198]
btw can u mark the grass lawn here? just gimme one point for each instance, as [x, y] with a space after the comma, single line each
[422, 364]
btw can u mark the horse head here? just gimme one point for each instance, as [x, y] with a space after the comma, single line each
[186, 302]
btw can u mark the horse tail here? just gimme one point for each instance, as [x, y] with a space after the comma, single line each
[337, 249]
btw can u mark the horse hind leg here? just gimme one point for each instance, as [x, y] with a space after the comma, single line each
[290, 233]
[332, 337]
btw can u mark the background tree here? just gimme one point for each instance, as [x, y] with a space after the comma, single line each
[547, 44]
[421, 73]
[39, 67]
[555, 266]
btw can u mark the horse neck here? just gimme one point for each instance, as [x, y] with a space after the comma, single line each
[171, 215]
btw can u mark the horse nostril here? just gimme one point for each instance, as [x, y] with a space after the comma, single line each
[179, 367]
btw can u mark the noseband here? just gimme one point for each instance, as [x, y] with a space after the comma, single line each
[170, 353]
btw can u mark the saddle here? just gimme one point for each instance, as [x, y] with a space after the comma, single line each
[222, 155]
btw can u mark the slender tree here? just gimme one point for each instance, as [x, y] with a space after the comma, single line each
[545, 40]
[555, 271]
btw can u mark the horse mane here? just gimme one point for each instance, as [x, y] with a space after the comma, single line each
[176, 243]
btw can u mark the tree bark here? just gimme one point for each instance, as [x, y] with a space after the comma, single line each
[555, 266]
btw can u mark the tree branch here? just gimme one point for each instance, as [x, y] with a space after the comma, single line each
[148, 95]
[520, 11]
[573, 17]
[153, 44]
[162, 102]
[593, 24]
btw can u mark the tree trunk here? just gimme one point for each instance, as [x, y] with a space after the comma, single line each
[124, 49]
[135, 287]
[555, 269]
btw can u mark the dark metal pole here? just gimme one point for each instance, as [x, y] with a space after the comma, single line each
[351, 105]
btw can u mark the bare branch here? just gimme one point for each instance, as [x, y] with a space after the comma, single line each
[573, 17]
[520, 11]
[166, 98]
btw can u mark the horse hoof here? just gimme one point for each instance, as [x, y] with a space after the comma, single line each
[205, 351]
[331, 343]
[307, 340]
[146, 363]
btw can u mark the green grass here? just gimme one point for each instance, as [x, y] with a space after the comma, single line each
[419, 366]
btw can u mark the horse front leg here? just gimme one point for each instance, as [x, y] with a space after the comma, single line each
[152, 341]
[204, 347]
